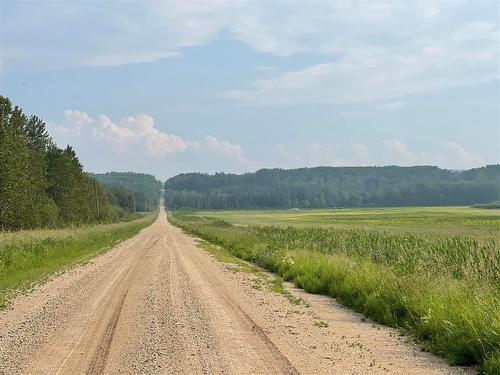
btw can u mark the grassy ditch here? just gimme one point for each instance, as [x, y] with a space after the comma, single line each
[261, 280]
[29, 257]
[445, 291]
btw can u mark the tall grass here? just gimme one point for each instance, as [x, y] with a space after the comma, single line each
[30, 256]
[435, 221]
[458, 256]
[443, 290]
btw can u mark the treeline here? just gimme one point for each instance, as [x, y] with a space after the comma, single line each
[329, 187]
[135, 192]
[487, 206]
[40, 184]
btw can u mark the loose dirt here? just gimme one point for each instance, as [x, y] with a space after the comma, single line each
[158, 304]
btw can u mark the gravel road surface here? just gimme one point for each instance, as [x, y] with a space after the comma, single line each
[158, 304]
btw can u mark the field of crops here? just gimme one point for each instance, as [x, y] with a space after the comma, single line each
[433, 272]
[426, 220]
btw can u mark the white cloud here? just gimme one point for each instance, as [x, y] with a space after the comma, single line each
[79, 33]
[399, 152]
[456, 156]
[388, 152]
[131, 133]
[360, 151]
[136, 141]
[105, 130]
[77, 120]
[135, 32]
[382, 73]
[397, 49]
[225, 149]
[356, 154]
[447, 154]
[137, 136]
[368, 50]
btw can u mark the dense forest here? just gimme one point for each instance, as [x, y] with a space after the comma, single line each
[42, 185]
[131, 191]
[324, 187]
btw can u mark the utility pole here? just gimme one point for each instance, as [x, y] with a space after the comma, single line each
[134, 201]
[145, 205]
[96, 200]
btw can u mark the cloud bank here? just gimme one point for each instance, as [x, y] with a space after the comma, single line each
[417, 64]
[335, 53]
[449, 154]
[137, 139]
[369, 51]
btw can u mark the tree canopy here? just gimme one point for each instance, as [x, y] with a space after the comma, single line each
[41, 184]
[125, 189]
[324, 187]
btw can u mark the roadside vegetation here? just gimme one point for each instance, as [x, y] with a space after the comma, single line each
[261, 279]
[29, 257]
[444, 290]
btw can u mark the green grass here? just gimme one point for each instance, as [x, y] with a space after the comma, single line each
[31, 256]
[320, 323]
[420, 220]
[261, 279]
[442, 289]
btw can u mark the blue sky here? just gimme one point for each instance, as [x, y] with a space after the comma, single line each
[170, 87]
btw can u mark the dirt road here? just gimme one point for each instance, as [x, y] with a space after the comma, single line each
[158, 304]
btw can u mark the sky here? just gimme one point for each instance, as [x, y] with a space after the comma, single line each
[168, 87]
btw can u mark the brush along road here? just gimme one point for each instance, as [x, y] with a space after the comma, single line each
[157, 303]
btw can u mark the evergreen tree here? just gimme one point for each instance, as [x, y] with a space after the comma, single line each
[15, 180]
[40, 184]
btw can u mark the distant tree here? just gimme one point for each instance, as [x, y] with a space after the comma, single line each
[125, 186]
[323, 187]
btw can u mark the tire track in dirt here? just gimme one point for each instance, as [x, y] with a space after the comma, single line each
[98, 362]
[157, 304]
[254, 333]
[93, 346]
